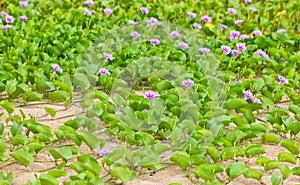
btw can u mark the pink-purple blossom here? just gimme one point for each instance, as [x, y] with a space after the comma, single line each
[234, 34]
[223, 27]
[132, 22]
[23, 4]
[261, 53]
[154, 42]
[6, 27]
[4, 14]
[89, 2]
[197, 26]
[191, 15]
[56, 68]
[241, 46]
[231, 11]
[252, 9]
[239, 22]
[235, 52]
[9, 19]
[187, 83]
[282, 80]
[248, 95]
[150, 95]
[244, 36]
[107, 56]
[23, 18]
[226, 49]
[257, 33]
[247, 1]
[103, 71]
[174, 34]
[135, 34]
[144, 10]
[152, 21]
[108, 11]
[183, 45]
[103, 152]
[204, 50]
[206, 18]
[88, 12]
[280, 31]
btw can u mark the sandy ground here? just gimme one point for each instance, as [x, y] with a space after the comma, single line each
[163, 177]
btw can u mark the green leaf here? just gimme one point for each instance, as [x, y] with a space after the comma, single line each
[91, 140]
[285, 171]
[23, 157]
[270, 138]
[11, 87]
[201, 172]
[59, 95]
[182, 159]
[150, 162]
[18, 139]
[48, 179]
[236, 104]
[8, 106]
[82, 81]
[3, 146]
[57, 173]
[235, 169]
[296, 170]
[292, 146]
[254, 149]
[275, 179]
[253, 173]
[50, 111]
[272, 164]
[122, 173]
[214, 154]
[287, 157]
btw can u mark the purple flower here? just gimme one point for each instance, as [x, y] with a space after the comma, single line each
[252, 9]
[244, 36]
[103, 152]
[257, 101]
[9, 19]
[231, 11]
[187, 83]
[241, 46]
[144, 10]
[103, 71]
[261, 53]
[0, 20]
[204, 50]
[183, 45]
[206, 18]
[234, 34]
[4, 14]
[56, 68]
[248, 1]
[174, 34]
[108, 11]
[226, 49]
[282, 80]
[23, 18]
[108, 56]
[191, 15]
[89, 2]
[257, 33]
[248, 95]
[154, 42]
[150, 95]
[88, 12]
[235, 52]
[23, 4]
[280, 31]
[135, 34]
[6, 27]
[223, 27]
[132, 23]
[152, 22]
[239, 22]
[197, 26]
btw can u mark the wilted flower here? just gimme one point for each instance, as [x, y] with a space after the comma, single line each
[187, 83]
[235, 52]
[56, 68]
[4, 14]
[89, 2]
[231, 11]
[257, 101]
[223, 26]
[9, 19]
[103, 71]
[280, 31]
[197, 26]
[150, 95]
[88, 12]
[174, 34]
[257, 33]
[23, 4]
[191, 15]
[248, 95]
[241, 46]
[23, 18]
[6, 27]
[206, 18]
[154, 42]
[226, 49]
[108, 11]
[135, 34]
[244, 36]
[261, 53]
[252, 9]
[144, 10]
[108, 56]
[234, 34]
[103, 152]
[133, 23]
[183, 45]
[204, 50]
[282, 80]
[239, 22]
